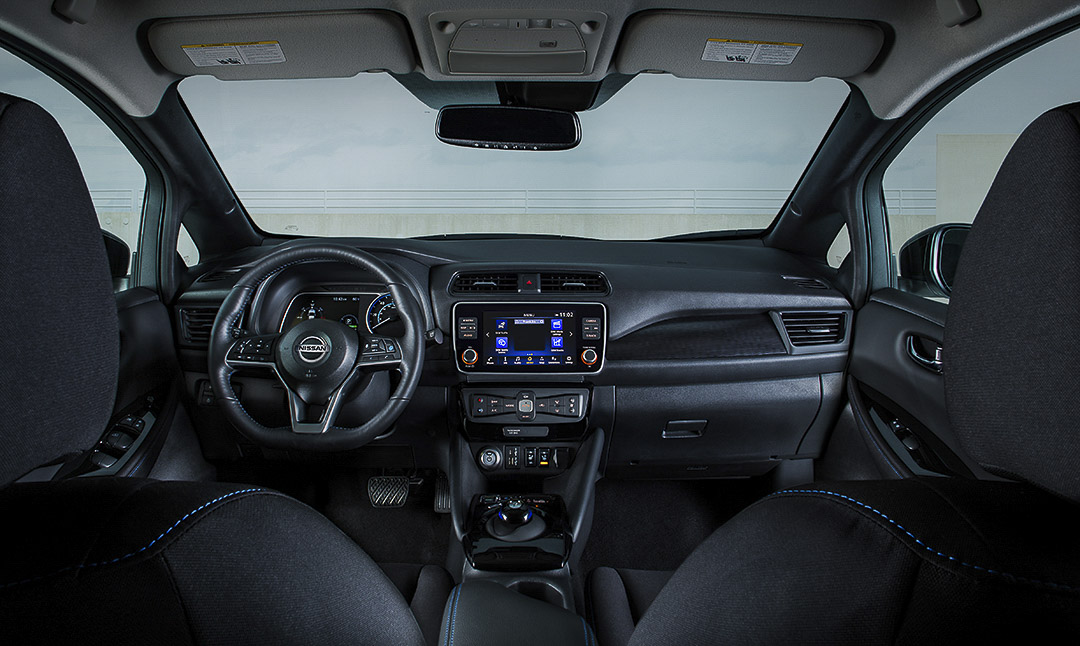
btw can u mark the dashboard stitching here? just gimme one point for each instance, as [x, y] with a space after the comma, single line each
[953, 559]
[141, 549]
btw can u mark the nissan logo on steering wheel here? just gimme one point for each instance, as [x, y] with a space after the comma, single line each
[313, 349]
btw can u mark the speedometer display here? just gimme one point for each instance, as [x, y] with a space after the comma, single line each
[383, 311]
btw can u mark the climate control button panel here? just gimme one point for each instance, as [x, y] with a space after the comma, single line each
[524, 406]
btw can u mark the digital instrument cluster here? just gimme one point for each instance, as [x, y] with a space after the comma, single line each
[366, 312]
[529, 337]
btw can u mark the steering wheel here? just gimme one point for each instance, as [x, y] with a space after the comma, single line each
[316, 360]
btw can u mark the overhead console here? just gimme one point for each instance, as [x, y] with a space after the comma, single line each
[529, 338]
[517, 43]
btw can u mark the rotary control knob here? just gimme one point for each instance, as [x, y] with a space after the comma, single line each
[589, 357]
[490, 458]
[515, 512]
[469, 356]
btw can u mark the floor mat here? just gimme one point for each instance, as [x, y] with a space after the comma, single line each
[413, 533]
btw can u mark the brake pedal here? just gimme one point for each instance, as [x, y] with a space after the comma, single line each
[442, 494]
[388, 491]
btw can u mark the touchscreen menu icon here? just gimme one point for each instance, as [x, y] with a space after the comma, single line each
[501, 342]
[556, 324]
[500, 324]
[556, 342]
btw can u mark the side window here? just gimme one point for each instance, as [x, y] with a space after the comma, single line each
[116, 181]
[945, 171]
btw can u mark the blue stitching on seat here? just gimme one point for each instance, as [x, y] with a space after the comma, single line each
[1005, 575]
[453, 617]
[588, 641]
[450, 604]
[141, 549]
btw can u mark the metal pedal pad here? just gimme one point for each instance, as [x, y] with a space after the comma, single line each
[388, 491]
[442, 494]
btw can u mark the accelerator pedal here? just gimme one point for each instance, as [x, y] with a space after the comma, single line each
[442, 494]
[388, 491]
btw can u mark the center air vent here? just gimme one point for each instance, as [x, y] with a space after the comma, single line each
[486, 283]
[573, 283]
[813, 328]
[196, 323]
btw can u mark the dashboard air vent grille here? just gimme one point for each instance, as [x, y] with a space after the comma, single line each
[806, 283]
[195, 324]
[576, 283]
[813, 328]
[489, 283]
[218, 274]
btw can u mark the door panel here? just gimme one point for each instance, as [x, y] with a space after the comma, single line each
[897, 394]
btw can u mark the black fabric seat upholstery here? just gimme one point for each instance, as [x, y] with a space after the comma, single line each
[617, 598]
[128, 561]
[941, 560]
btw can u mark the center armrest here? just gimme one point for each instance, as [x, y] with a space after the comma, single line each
[484, 612]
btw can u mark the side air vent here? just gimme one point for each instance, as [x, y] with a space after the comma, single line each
[218, 275]
[806, 283]
[486, 283]
[573, 283]
[813, 328]
[195, 324]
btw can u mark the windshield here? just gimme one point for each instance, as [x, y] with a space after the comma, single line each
[663, 156]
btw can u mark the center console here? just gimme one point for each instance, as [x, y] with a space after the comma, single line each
[530, 440]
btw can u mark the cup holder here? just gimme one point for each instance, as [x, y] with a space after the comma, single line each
[539, 590]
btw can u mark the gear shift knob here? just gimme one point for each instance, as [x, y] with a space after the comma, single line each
[515, 512]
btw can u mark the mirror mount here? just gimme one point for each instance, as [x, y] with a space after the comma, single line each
[503, 127]
[928, 260]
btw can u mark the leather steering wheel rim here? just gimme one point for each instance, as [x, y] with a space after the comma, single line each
[225, 333]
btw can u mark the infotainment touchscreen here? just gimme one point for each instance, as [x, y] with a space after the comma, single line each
[516, 337]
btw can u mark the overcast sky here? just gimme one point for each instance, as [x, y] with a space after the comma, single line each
[657, 132]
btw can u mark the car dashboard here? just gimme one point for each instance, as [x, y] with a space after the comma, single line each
[711, 359]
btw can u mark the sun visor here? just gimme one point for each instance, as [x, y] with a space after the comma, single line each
[741, 46]
[281, 46]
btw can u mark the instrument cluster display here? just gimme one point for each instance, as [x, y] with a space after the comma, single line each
[365, 312]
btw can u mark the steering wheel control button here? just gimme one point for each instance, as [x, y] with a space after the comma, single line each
[379, 349]
[469, 357]
[490, 458]
[589, 356]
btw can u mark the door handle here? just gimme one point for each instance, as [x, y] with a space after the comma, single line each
[932, 364]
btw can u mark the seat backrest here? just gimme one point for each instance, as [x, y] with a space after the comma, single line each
[1012, 338]
[58, 328]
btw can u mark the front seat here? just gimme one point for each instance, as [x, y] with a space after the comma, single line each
[126, 560]
[925, 559]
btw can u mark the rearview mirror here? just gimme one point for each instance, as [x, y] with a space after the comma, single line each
[928, 261]
[507, 127]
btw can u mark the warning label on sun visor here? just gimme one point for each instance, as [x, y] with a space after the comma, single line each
[258, 53]
[751, 52]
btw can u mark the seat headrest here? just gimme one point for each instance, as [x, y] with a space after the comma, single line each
[58, 334]
[1012, 338]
